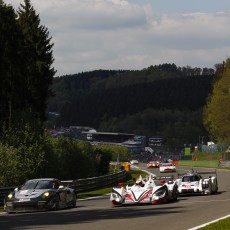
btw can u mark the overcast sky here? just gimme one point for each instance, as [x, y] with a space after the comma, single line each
[134, 34]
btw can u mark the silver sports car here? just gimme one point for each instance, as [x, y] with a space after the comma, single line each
[40, 194]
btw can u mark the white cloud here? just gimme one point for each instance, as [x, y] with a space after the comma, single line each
[117, 34]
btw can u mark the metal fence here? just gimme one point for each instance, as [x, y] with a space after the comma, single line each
[225, 164]
[80, 185]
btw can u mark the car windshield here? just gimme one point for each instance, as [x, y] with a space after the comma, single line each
[35, 184]
[190, 178]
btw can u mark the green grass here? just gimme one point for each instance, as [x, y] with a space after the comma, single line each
[206, 156]
[202, 163]
[220, 225]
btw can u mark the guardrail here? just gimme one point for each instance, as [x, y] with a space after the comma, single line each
[80, 185]
[224, 164]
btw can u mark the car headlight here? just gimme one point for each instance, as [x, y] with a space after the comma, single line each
[10, 196]
[159, 192]
[114, 196]
[45, 195]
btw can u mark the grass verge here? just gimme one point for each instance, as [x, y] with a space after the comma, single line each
[220, 225]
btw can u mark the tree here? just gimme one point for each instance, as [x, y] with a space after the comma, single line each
[25, 78]
[38, 56]
[10, 64]
[9, 162]
[216, 112]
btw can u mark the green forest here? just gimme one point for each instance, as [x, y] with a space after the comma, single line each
[26, 75]
[163, 100]
[179, 104]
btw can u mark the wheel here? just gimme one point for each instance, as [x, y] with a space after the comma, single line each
[154, 202]
[57, 202]
[74, 202]
[174, 195]
[116, 204]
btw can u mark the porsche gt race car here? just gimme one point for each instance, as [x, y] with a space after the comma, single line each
[153, 164]
[40, 194]
[153, 190]
[193, 183]
[167, 167]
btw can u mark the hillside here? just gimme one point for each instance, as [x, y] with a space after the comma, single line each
[163, 100]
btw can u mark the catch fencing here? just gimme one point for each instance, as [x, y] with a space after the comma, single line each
[80, 185]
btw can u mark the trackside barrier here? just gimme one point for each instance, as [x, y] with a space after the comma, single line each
[80, 185]
[225, 164]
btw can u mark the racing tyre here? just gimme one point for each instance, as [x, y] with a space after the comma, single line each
[174, 195]
[154, 202]
[210, 192]
[74, 203]
[57, 202]
[116, 204]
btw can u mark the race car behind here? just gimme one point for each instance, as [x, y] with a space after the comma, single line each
[153, 164]
[167, 167]
[194, 183]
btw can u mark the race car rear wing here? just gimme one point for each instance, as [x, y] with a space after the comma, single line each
[200, 172]
[164, 177]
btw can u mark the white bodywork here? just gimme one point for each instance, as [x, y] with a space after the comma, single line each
[134, 162]
[151, 192]
[193, 183]
[167, 167]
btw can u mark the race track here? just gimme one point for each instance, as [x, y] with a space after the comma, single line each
[98, 214]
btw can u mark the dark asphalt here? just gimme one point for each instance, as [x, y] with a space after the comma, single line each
[187, 212]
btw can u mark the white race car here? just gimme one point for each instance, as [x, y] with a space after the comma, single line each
[152, 190]
[167, 167]
[134, 162]
[193, 183]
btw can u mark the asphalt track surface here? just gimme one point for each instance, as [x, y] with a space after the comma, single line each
[98, 214]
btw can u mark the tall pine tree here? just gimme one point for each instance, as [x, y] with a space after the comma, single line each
[38, 57]
[10, 65]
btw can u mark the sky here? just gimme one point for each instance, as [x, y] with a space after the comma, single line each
[134, 34]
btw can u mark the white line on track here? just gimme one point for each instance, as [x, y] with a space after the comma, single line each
[203, 225]
[203, 201]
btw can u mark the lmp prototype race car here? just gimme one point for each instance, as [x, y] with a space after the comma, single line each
[152, 190]
[40, 194]
[167, 167]
[193, 183]
[153, 164]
